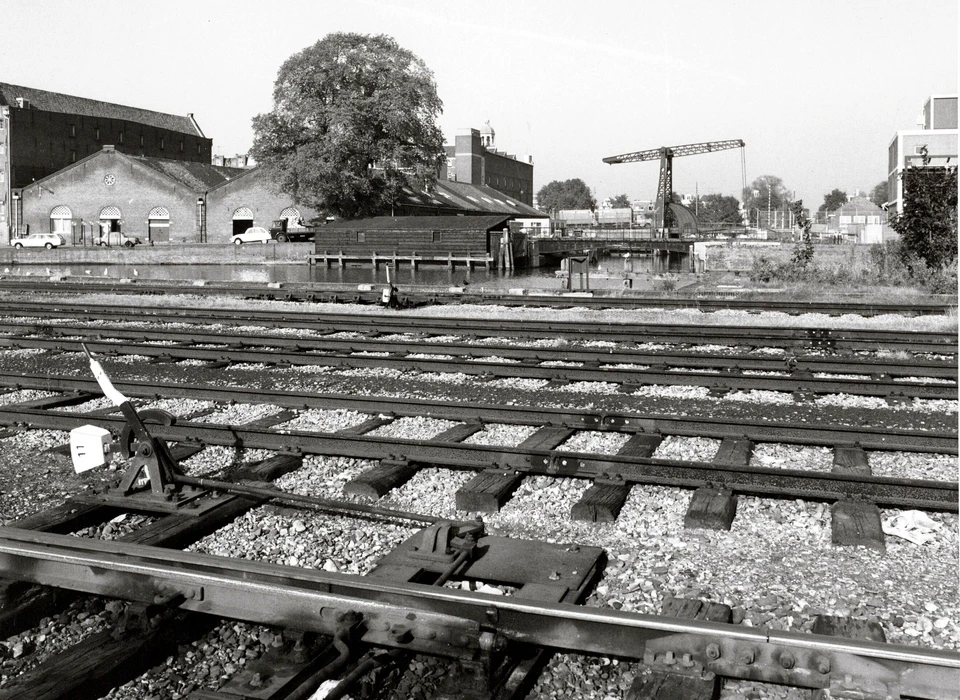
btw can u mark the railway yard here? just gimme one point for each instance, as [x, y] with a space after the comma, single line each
[594, 500]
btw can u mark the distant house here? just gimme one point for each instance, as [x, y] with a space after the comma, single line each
[859, 220]
[473, 159]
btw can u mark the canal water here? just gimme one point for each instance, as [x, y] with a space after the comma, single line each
[610, 268]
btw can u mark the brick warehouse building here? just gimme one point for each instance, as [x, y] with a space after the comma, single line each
[42, 132]
[474, 160]
[157, 200]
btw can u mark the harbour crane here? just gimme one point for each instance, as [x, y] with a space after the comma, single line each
[662, 215]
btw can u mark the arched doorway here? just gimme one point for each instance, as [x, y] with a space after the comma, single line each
[158, 224]
[110, 220]
[242, 220]
[61, 219]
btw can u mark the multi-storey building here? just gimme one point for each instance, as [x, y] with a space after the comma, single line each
[42, 132]
[473, 159]
[935, 140]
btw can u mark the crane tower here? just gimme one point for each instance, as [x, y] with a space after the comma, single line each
[662, 215]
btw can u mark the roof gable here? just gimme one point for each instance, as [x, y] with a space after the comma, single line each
[70, 104]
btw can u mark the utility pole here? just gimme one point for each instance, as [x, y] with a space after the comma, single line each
[768, 205]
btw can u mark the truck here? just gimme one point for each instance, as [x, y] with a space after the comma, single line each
[115, 238]
[282, 231]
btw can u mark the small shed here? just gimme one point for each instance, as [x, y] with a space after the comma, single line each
[428, 236]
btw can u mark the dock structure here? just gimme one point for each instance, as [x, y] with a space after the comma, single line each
[375, 258]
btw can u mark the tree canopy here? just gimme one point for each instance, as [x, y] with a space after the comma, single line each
[878, 195]
[928, 223]
[755, 196]
[719, 209]
[621, 201]
[833, 201]
[569, 194]
[353, 122]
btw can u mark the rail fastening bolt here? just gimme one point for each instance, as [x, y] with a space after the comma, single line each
[823, 664]
[713, 651]
[787, 660]
[746, 656]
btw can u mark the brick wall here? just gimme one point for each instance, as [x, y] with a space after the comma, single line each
[44, 142]
[254, 191]
[136, 189]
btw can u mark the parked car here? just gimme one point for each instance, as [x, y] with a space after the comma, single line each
[39, 240]
[116, 238]
[254, 234]
[282, 230]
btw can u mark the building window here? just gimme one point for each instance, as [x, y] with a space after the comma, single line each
[198, 149]
[61, 220]
[141, 140]
[121, 136]
[436, 236]
[181, 146]
[73, 130]
[73, 156]
[98, 133]
[161, 144]
[361, 237]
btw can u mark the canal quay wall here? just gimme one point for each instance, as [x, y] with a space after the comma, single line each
[187, 254]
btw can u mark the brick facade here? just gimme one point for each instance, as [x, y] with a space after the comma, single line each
[191, 203]
[251, 190]
[474, 160]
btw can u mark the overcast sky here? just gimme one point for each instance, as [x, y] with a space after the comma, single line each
[815, 88]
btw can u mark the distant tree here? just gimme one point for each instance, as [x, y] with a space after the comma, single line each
[720, 209]
[568, 194]
[803, 250]
[755, 196]
[353, 123]
[928, 223]
[621, 201]
[878, 195]
[833, 201]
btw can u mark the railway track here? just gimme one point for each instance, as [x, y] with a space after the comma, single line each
[896, 381]
[340, 626]
[410, 297]
[685, 335]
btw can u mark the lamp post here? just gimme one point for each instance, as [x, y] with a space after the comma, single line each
[16, 216]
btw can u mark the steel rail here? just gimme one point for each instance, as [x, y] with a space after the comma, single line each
[841, 338]
[305, 599]
[887, 439]
[781, 483]
[721, 381]
[410, 295]
[666, 359]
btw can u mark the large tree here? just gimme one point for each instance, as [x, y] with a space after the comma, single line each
[569, 194]
[833, 201]
[928, 223]
[766, 193]
[719, 209]
[353, 122]
[621, 201]
[878, 195]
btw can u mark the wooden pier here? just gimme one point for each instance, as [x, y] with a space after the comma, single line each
[414, 260]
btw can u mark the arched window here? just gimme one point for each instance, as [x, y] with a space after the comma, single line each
[110, 219]
[292, 215]
[242, 219]
[158, 224]
[61, 219]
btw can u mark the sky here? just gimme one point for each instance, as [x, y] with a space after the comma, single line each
[817, 89]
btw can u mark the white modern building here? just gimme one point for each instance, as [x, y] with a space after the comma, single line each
[936, 134]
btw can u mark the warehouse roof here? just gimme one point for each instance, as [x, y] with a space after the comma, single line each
[421, 223]
[70, 104]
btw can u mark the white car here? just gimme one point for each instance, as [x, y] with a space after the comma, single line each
[39, 240]
[254, 234]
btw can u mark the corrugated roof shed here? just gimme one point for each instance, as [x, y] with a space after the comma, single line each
[70, 104]
[421, 223]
